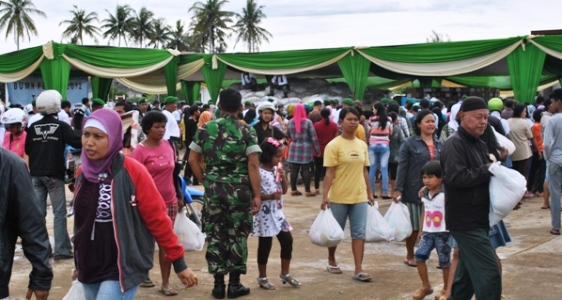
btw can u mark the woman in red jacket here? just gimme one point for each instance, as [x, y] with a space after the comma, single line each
[118, 216]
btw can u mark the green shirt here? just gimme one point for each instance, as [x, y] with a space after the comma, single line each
[225, 144]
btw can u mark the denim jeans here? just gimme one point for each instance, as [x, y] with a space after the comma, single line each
[357, 217]
[555, 187]
[54, 187]
[108, 290]
[379, 152]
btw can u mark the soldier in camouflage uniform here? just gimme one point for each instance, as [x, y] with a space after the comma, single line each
[232, 191]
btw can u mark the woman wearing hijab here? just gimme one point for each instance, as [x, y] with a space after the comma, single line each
[303, 146]
[205, 117]
[118, 214]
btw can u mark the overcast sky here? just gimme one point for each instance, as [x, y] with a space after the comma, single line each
[307, 24]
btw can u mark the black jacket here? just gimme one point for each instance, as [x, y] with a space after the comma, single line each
[466, 178]
[45, 145]
[20, 216]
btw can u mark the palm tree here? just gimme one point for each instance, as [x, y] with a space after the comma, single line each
[160, 34]
[80, 24]
[178, 38]
[142, 25]
[15, 17]
[437, 37]
[119, 25]
[210, 23]
[248, 28]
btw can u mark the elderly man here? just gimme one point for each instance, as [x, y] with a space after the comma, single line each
[465, 161]
[232, 190]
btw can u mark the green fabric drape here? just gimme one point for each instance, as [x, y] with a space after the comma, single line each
[192, 89]
[56, 73]
[184, 92]
[171, 75]
[213, 78]
[553, 42]
[19, 60]
[500, 82]
[113, 57]
[376, 82]
[101, 87]
[439, 52]
[525, 68]
[355, 70]
[282, 59]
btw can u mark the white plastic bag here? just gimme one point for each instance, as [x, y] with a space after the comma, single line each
[325, 231]
[189, 234]
[398, 218]
[376, 227]
[504, 142]
[507, 188]
[76, 292]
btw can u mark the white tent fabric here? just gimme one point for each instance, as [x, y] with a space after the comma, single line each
[115, 72]
[443, 68]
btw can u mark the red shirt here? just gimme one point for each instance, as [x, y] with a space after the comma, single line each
[325, 133]
[160, 163]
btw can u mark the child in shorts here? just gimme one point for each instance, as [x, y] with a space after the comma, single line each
[434, 235]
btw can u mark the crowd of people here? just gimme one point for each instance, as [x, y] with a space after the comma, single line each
[432, 157]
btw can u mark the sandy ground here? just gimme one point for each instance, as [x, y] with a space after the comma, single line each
[531, 264]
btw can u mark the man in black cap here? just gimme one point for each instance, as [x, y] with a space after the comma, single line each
[465, 161]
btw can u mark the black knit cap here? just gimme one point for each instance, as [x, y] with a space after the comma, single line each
[473, 103]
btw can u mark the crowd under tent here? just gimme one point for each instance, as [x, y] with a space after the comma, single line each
[519, 65]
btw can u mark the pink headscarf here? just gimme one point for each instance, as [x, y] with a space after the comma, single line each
[331, 112]
[299, 114]
[112, 123]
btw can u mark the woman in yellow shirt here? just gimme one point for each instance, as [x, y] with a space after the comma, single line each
[346, 188]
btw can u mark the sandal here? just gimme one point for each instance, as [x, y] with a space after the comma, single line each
[441, 295]
[555, 232]
[295, 193]
[421, 294]
[169, 291]
[309, 194]
[333, 269]
[362, 276]
[147, 283]
[386, 197]
[266, 284]
[292, 281]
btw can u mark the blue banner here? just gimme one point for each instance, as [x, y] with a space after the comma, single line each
[24, 91]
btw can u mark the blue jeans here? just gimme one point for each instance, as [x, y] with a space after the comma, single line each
[108, 290]
[54, 187]
[555, 187]
[357, 217]
[434, 240]
[379, 152]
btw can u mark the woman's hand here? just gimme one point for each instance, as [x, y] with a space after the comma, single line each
[188, 278]
[396, 196]
[74, 274]
[326, 203]
[371, 199]
[281, 172]
[420, 193]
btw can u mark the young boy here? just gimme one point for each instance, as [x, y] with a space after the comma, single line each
[434, 235]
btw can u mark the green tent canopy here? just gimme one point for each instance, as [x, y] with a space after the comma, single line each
[520, 64]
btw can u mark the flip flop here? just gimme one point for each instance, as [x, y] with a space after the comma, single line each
[363, 276]
[545, 207]
[147, 284]
[333, 269]
[407, 263]
[169, 291]
[555, 232]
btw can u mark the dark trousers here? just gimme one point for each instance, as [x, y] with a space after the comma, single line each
[264, 246]
[478, 272]
[305, 174]
[521, 166]
[187, 172]
[536, 174]
[318, 171]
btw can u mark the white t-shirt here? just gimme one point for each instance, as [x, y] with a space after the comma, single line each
[172, 128]
[434, 218]
[177, 115]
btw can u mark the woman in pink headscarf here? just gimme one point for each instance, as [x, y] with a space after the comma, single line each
[302, 149]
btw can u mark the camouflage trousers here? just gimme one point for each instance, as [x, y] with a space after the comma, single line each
[227, 222]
